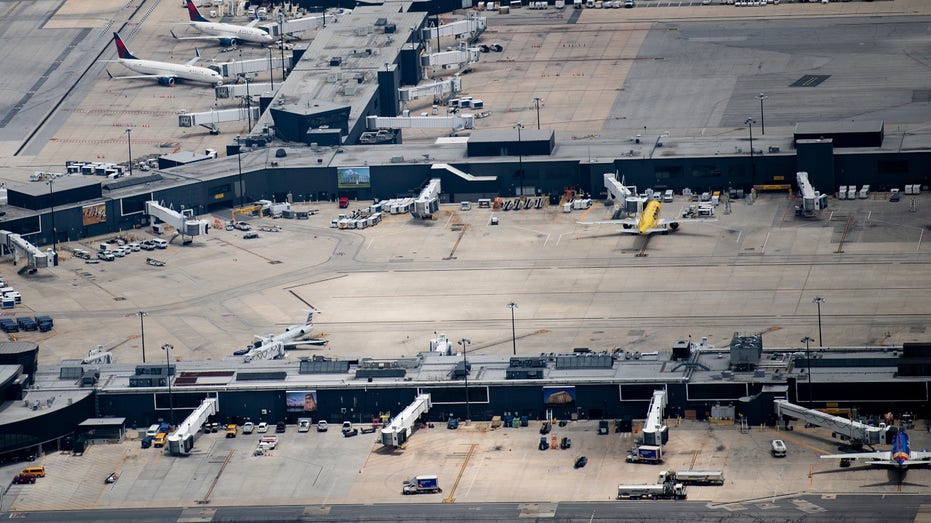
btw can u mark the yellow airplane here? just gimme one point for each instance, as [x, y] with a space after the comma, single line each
[646, 220]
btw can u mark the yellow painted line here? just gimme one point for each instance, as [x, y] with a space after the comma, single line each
[450, 498]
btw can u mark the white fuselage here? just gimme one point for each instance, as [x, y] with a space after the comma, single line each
[186, 72]
[235, 32]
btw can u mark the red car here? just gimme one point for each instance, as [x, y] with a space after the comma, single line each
[24, 479]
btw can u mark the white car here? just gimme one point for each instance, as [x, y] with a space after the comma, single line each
[262, 427]
[248, 427]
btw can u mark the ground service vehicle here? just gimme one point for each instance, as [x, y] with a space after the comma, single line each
[655, 491]
[421, 485]
[268, 442]
[38, 472]
[646, 454]
[692, 477]
[159, 440]
[778, 448]
[231, 430]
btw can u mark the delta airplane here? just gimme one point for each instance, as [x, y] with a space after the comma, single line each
[646, 220]
[900, 457]
[292, 337]
[227, 34]
[166, 73]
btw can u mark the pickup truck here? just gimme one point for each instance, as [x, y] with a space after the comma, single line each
[268, 442]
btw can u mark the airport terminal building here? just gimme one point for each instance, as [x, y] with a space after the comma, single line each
[44, 406]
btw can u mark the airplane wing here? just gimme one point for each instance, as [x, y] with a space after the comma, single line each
[194, 60]
[626, 221]
[685, 220]
[138, 76]
[919, 457]
[203, 37]
[296, 344]
[876, 458]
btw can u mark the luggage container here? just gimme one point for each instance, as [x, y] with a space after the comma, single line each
[852, 192]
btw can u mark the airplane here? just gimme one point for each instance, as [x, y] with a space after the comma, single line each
[900, 457]
[227, 34]
[165, 72]
[646, 220]
[292, 337]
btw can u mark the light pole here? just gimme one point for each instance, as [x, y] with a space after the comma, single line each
[807, 341]
[762, 97]
[51, 201]
[281, 25]
[513, 306]
[536, 102]
[142, 315]
[749, 121]
[242, 189]
[129, 143]
[171, 406]
[520, 160]
[819, 300]
[465, 368]
[271, 69]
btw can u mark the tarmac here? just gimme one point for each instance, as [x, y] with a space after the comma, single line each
[472, 463]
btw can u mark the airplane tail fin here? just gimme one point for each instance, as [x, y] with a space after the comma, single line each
[193, 13]
[121, 49]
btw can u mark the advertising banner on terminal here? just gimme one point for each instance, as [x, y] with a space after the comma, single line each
[353, 178]
[94, 214]
[558, 395]
[301, 401]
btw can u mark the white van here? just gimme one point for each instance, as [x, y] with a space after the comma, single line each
[160, 243]
[778, 448]
[153, 431]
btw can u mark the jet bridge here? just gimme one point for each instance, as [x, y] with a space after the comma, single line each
[428, 202]
[210, 119]
[244, 90]
[457, 57]
[400, 428]
[20, 248]
[182, 224]
[812, 200]
[473, 25]
[858, 433]
[297, 25]
[654, 432]
[181, 441]
[455, 122]
[250, 67]
[449, 86]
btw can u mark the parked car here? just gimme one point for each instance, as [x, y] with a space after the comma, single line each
[250, 236]
[280, 427]
[322, 426]
[24, 479]
[262, 427]
[303, 425]
[248, 427]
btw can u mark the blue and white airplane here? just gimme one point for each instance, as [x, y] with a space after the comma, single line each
[164, 72]
[227, 34]
[900, 457]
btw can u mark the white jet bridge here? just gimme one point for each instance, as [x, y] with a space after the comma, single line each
[858, 433]
[455, 122]
[812, 200]
[654, 432]
[428, 202]
[250, 67]
[456, 57]
[244, 90]
[210, 119]
[184, 226]
[473, 26]
[439, 89]
[20, 248]
[181, 441]
[400, 428]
